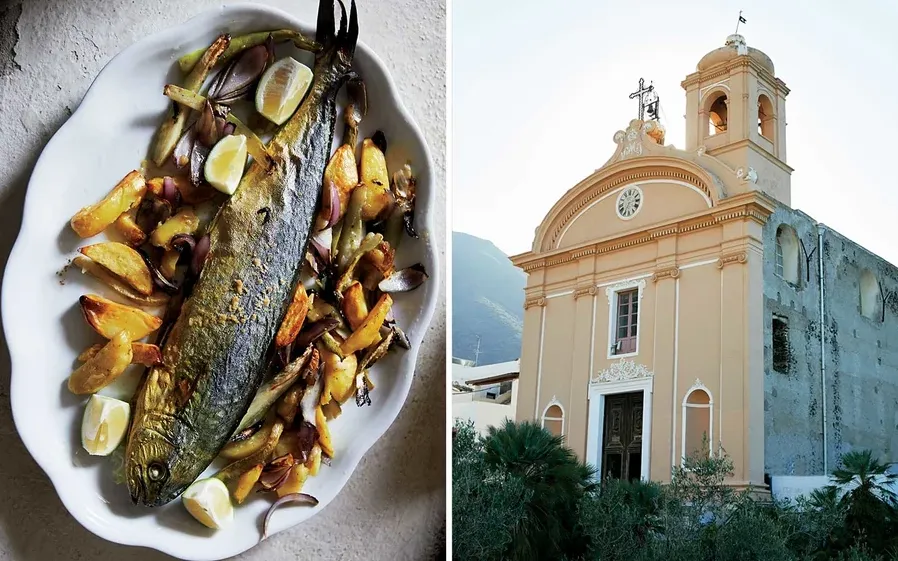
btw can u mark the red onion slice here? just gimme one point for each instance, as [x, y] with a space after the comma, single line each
[184, 147]
[169, 192]
[316, 329]
[298, 498]
[197, 160]
[239, 76]
[322, 244]
[330, 204]
[200, 253]
[181, 242]
[404, 280]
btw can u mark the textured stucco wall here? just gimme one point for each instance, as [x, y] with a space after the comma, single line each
[394, 505]
[861, 356]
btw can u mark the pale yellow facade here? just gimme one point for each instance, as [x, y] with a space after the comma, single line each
[680, 230]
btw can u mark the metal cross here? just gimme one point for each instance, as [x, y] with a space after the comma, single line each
[640, 94]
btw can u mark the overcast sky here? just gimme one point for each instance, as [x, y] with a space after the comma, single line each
[539, 90]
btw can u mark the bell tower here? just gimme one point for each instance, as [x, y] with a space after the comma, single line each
[736, 110]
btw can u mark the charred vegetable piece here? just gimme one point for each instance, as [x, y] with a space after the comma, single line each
[270, 391]
[296, 315]
[375, 181]
[95, 270]
[169, 264]
[142, 353]
[244, 42]
[172, 126]
[369, 243]
[259, 456]
[299, 473]
[289, 403]
[369, 332]
[123, 262]
[314, 461]
[185, 222]
[254, 144]
[244, 448]
[93, 219]
[351, 230]
[377, 352]
[109, 318]
[104, 367]
[276, 472]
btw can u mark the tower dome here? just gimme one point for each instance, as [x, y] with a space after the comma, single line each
[735, 46]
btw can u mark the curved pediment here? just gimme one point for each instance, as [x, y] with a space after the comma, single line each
[671, 182]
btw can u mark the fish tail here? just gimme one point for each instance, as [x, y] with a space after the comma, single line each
[344, 40]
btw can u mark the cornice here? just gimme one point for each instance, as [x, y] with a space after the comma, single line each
[754, 206]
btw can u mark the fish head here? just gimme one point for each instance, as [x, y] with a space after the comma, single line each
[150, 464]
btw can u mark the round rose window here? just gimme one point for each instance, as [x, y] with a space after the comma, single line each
[629, 202]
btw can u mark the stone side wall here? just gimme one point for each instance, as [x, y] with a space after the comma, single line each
[861, 354]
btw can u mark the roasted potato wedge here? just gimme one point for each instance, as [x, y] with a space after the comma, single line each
[296, 316]
[297, 478]
[324, 433]
[342, 171]
[332, 410]
[124, 262]
[369, 332]
[185, 222]
[355, 308]
[104, 367]
[246, 482]
[314, 461]
[95, 270]
[154, 186]
[339, 376]
[169, 264]
[109, 318]
[142, 353]
[288, 403]
[93, 219]
[129, 230]
[375, 181]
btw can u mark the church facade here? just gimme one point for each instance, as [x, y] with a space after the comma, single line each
[674, 298]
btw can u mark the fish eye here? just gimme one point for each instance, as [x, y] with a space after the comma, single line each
[157, 472]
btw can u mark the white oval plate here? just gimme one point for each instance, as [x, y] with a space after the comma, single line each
[108, 136]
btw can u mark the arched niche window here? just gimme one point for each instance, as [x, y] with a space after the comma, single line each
[717, 114]
[871, 298]
[698, 409]
[553, 418]
[765, 117]
[786, 262]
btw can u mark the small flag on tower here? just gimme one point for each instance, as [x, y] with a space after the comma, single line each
[742, 19]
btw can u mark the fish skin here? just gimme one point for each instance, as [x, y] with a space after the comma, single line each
[214, 355]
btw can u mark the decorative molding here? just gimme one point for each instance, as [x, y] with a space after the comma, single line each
[751, 175]
[728, 258]
[536, 301]
[621, 372]
[624, 285]
[539, 259]
[666, 273]
[616, 181]
[698, 385]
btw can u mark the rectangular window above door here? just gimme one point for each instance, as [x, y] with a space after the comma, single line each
[626, 322]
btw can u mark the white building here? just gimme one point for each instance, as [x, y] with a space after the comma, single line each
[486, 395]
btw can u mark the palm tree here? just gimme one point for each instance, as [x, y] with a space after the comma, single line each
[556, 481]
[872, 507]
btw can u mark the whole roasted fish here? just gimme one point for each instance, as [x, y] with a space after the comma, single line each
[214, 355]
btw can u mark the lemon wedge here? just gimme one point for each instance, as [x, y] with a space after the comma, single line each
[281, 89]
[225, 163]
[104, 424]
[209, 502]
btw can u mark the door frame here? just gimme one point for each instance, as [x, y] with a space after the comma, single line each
[596, 429]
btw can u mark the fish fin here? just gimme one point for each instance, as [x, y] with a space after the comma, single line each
[355, 87]
[324, 30]
[342, 28]
[352, 34]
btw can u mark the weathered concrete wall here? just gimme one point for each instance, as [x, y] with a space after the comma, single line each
[793, 424]
[861, 354]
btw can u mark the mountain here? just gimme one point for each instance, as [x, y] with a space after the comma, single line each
[487, 301]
